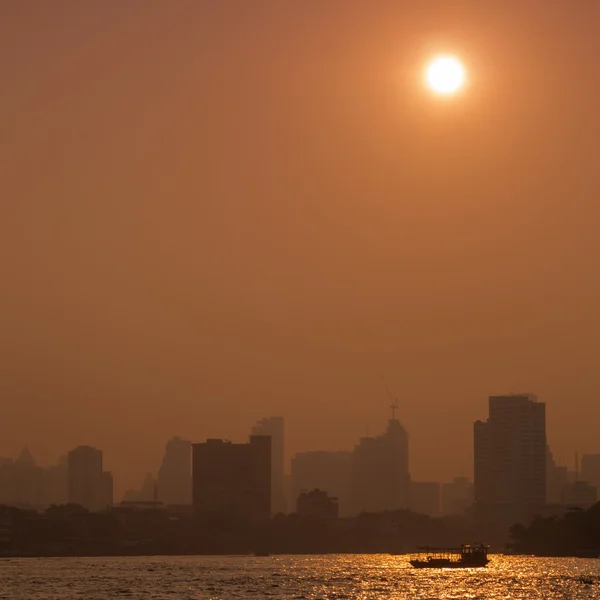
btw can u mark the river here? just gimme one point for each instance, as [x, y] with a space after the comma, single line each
[293, 577]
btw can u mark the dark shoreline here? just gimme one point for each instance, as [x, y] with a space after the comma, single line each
[21, 555]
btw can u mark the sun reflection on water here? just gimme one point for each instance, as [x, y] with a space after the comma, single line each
[334, 577]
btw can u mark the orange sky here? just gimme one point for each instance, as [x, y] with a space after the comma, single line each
[215, 211]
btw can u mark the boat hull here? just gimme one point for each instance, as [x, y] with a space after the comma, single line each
[442, 563]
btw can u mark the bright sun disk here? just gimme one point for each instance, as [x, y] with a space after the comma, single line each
[445, 75]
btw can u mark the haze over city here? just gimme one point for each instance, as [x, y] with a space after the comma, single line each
[216, 211]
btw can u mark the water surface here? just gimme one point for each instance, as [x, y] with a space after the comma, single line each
[292, 577]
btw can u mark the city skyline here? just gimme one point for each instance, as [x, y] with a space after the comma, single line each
[130, 486]
[211, 213]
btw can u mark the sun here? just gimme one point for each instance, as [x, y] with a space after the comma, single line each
[445, 75]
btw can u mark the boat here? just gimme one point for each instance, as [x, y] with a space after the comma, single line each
[468, 556]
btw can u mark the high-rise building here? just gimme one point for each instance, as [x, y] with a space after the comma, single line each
[380, 479]
[274, 426]
[22, 482]
[28, 481]
[175, 473]
[328, 471]
[234, 479]
[86, 482]
[510, 454]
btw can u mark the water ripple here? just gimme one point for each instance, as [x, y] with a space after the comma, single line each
[342, 577]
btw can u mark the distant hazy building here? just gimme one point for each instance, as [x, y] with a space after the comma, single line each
[274, 427]
[327, 471]
[590, 469]
[579, 494]
[147, 492]
[380, 479]
[22, 482]
[425, 498]
[56, 483]
[556, 478]
[107, 489]
[233, 479]
[317, 503]
[6, 465]
[175, 473]
[457, 496]
[86, 483]
[28, 481]
[510, 455]
[287, 491]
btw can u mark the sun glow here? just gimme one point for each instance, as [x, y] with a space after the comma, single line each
[445, 75]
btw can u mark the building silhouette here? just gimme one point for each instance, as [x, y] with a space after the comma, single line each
[317, 503]
[510, 455]
[327, 471]
[28, 481]
[108, 486]
[55, 483]
[86, 480]
[457, 496]
[557, 477]
[379, 478]
[590, 469]
[22, 482]
[579, 494]
[6, 471]
[175, 473]
[145, 493]
[232, 479]
[274, 427]
[25, 484]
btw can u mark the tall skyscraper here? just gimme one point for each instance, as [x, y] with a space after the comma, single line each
[510, 455]
[233, 479]
[380, 478]
[86, 481]
[274, 426]
[175, 473]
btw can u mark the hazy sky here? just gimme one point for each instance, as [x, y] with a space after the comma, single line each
[216, 210]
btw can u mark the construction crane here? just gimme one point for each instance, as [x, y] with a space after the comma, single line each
[394, 404]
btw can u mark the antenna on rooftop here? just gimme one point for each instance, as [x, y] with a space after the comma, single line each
[394, 404]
